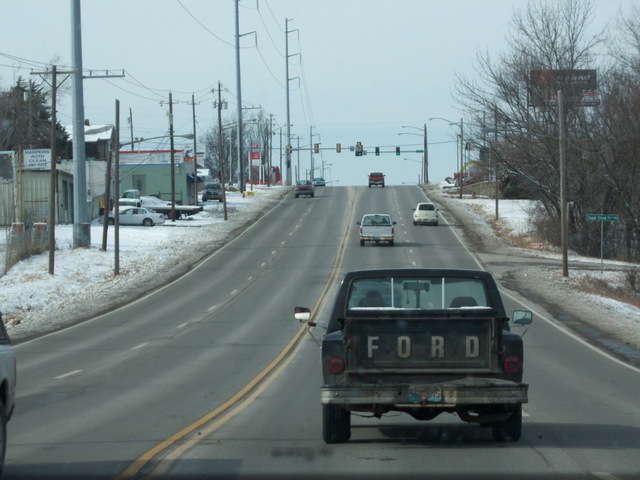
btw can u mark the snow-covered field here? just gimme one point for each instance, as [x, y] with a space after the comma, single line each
[33, 302]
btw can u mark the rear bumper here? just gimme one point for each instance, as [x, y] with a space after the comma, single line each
[373, 238]
[437, 395]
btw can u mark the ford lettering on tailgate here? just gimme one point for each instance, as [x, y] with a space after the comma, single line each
[419, 345]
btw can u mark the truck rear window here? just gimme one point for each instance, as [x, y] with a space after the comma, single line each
[375, 220]
[418, 293]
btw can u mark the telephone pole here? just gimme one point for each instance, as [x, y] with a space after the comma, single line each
[173, 171]
[81, 220]
[53, 144]
[220, 159]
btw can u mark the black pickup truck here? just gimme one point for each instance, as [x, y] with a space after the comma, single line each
[423, 342]
[7, 387]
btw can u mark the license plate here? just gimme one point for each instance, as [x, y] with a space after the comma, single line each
[429, 395]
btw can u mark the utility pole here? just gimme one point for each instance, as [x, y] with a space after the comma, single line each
[461, 154]
[270, 151]
[173, 173]
[220, 159]
[116, 195]
[81, 225]
[81, 220]
[564, 229]
[425, 173]
[53, 181]
[311, 152]
[286, 57]
[239, 95]
[131, 128]
[52, 185]
[195, 153]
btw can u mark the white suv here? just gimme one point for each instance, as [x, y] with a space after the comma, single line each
[425, 213]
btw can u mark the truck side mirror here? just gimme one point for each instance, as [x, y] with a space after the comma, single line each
[522, 317]
[302, 314]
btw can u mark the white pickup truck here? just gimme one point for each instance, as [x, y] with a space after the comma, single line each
[376, 227]
[134, 199]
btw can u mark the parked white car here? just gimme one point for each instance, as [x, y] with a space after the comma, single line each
[425, 213]
[137, 216]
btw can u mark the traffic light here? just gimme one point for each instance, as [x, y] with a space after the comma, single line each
[397, 150]
[377, 150]
[358, 149]
[316, 148]
[338, 147]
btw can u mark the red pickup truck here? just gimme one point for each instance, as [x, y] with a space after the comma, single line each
[376, 178]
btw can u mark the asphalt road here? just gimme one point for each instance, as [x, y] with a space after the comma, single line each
[204, 378]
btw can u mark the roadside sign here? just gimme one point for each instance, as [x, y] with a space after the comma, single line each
[602, 217]
[536, 245]
[599, 217]
[37, 159]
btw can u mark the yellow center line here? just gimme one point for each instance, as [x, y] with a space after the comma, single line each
[149, 455]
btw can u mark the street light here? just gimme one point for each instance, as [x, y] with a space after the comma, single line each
[461, 125]
[425, 155]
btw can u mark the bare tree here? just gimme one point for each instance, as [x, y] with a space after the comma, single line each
[507, 100]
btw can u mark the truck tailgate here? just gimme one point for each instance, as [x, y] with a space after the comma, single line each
[458, 345]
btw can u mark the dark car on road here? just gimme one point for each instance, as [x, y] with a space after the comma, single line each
[212, 191]
[304, 187]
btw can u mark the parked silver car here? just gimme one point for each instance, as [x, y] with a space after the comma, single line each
[137, 216]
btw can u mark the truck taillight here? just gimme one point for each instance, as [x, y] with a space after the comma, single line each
[511, 364]
[336, 365]
[360, 230]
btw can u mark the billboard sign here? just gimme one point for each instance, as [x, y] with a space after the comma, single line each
[578, 87]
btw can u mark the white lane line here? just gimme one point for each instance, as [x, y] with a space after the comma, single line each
[142, 345]
[211, 308]
[68, 374]
[182, 325]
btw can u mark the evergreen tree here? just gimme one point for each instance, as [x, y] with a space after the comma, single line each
[25, 119]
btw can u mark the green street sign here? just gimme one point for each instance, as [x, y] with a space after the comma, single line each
[419, 151]
[600, 217]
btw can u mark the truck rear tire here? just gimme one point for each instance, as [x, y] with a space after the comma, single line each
[362, 243]
[511, 429]
[391, 243]
[336, 424]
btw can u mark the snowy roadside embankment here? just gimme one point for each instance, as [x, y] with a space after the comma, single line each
[617, 321]
[83, 285]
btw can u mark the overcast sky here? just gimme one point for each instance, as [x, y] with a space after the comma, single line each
[365, 68]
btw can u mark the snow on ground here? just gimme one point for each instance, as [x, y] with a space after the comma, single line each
[618, 319]
[33, 302]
